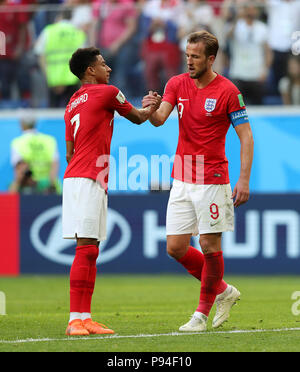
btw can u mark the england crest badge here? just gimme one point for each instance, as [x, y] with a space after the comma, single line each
[210, 104]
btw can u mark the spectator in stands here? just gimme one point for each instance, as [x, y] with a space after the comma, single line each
[195, 15]
[23, 182]
[115, 24]
[289, 85]
[229, 12]
[82, 15]
[35, 159]
[160, 47]
[250, 56]
[54, 48]
[283, 20]
[45, 16]
[14, 25]
[216, 5]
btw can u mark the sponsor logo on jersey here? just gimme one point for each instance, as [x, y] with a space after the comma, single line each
[210, 104]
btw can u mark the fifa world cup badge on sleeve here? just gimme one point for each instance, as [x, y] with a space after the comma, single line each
[241, 100]
[120, 97]
[210, 104]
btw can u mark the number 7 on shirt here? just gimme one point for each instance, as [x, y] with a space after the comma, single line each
[75, 119]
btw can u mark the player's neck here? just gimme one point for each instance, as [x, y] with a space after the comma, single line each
[205, 79]
[89, 80]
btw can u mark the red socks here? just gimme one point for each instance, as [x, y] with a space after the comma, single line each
[82, 278]
[208, 268]
[212, 274]
[193, 261]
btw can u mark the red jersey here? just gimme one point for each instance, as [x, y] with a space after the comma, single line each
[204, 119]
[89, 119]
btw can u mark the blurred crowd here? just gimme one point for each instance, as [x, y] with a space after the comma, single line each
[143, 41]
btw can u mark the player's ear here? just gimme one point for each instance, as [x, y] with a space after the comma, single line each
[90, 70]
[211, 59]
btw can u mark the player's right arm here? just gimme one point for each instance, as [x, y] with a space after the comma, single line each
[118, 102]
[70, 150]
[69, 137]
[158, 117]
[139, 116]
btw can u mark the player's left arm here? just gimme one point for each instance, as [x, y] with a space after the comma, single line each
[69, 137]
[136, 115]
[241, 190]
[70, 150]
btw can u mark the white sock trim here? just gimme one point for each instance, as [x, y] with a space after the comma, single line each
[74, 316]
[199, 315]
[86, 316]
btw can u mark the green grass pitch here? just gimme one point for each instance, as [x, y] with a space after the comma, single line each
[146, 311]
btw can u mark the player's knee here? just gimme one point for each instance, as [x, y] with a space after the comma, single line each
[86, 241]
[209, 245]
[175, 250]
[91, 251]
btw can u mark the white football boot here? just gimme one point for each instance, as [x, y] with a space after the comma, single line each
[197, 323]
[224, 303]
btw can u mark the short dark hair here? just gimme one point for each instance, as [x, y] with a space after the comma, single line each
[209, 40]
[82, 59]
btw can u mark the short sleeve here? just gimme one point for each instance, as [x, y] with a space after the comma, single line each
[69, 136]
[235, 101]
[170, 92]
[236, 108]
[117, 101]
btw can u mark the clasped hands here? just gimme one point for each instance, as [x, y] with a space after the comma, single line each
[152, 99]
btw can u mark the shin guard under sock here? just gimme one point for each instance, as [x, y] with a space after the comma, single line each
[80, 278]
[212, 275]
[193, 262]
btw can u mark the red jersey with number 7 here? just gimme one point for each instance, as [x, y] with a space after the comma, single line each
[204, 118]
[89, 120]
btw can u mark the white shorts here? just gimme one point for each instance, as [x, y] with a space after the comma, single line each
[199, 209]
[84, 211]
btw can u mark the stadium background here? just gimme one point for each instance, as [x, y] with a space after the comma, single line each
[267, 237]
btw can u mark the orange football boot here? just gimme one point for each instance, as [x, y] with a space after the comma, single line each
[95, 328]
[76, 328]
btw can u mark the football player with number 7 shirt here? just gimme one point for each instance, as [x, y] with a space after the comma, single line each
[201, 201]
[89, 119]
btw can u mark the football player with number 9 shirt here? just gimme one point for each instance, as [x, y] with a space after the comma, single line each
[201, 201]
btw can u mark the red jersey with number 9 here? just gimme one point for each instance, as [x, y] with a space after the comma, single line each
[204, 118]
[89, 120]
